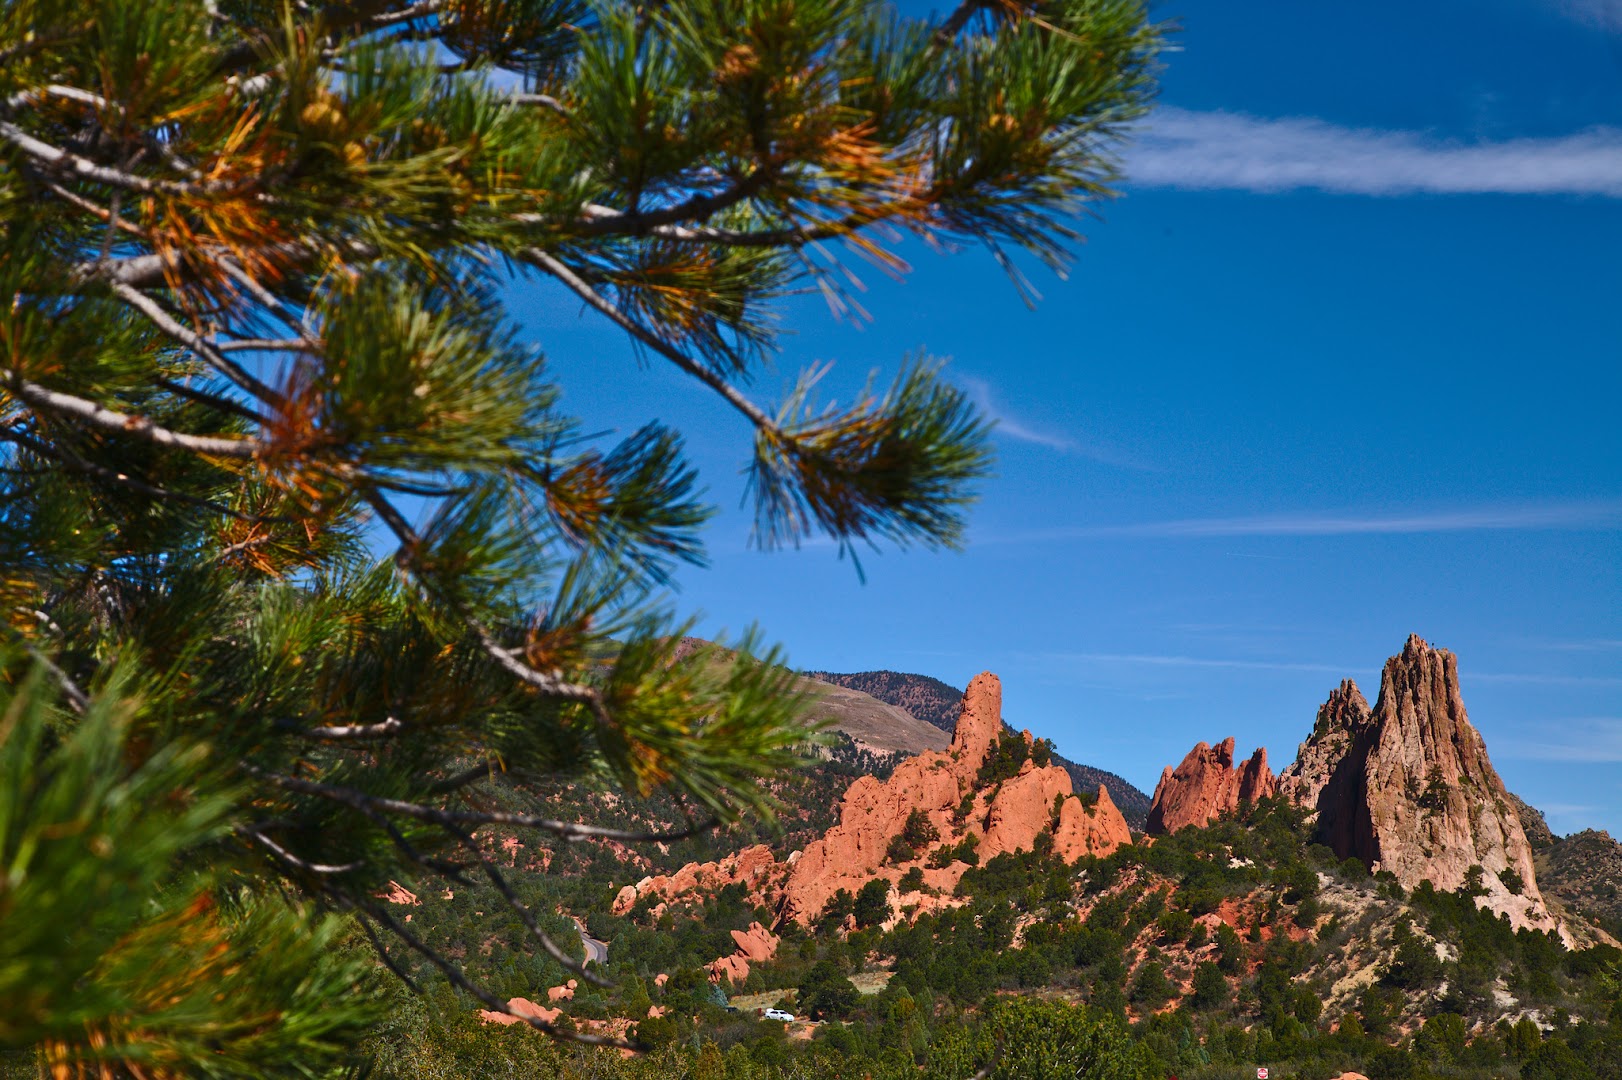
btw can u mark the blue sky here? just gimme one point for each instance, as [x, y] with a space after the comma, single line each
[1344, 363]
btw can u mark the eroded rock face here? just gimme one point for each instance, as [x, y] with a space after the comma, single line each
[1342, 720]
[1206, 786]
[1408, 787]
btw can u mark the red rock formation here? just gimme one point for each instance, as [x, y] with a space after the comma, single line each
[1206, 786]
[979, 725]
[1003, 818]
[756, 944]
[1090, 830]
[562, 993]
[398, 894]
[1007, 818]
[1410, 788]
[734, 969]
[753, 867]
[523, 1007]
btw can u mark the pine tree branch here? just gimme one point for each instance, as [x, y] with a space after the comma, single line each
[550, 685]
[122, 423]
[289, 858]
[460, 979]
[62, 456]
[517, 907]
[565, 830]
[756, 415]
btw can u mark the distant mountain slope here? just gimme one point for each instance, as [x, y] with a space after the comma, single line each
[871, 722]
[936, 702]
[1582, 871]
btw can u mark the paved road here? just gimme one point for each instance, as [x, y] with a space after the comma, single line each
[596, 951]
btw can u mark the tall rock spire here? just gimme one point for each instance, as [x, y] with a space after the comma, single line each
[1407, 787]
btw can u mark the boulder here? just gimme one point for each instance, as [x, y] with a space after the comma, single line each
[523, 1007]
[756, 944]
[734, 969]
[1206, 786]
[398, 894]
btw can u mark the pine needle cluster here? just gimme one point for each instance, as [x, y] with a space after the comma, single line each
[253, 257]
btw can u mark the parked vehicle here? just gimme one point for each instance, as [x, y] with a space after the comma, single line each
[779, 1014]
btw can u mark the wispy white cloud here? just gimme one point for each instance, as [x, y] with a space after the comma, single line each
[1605, 14]
[1184, 148]
[1536, 679]
[1173, 661]
[1597, 514]
[1587, 741]
[1022, 431]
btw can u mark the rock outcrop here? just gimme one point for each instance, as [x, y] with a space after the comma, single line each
[754, 867]
[942, 786]
[1095, 828]
[1005, 817]
[1408, 787]
[1206, 786]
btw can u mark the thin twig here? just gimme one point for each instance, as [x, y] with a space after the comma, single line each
[292, 860]
[524, 916]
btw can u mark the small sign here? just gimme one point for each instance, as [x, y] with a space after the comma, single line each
[1261, 1074]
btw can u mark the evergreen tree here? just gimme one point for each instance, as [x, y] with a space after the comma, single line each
[253, 258]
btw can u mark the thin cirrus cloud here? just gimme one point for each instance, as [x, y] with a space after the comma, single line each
[1595, 741]
[1019, 430]
[1217, 150]
[1598, 514]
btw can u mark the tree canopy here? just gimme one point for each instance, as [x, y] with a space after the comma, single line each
[297, 544]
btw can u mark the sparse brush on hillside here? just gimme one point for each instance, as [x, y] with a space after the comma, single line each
[285, 490]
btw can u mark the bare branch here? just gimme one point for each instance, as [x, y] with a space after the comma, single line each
[89, 170]
[193, 341]
[381, 730]
[565, 830]
[289, 858]
[545, 101]
[123, 423]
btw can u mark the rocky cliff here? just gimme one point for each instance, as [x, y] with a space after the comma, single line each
[1407, 787]
[1206, 786]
